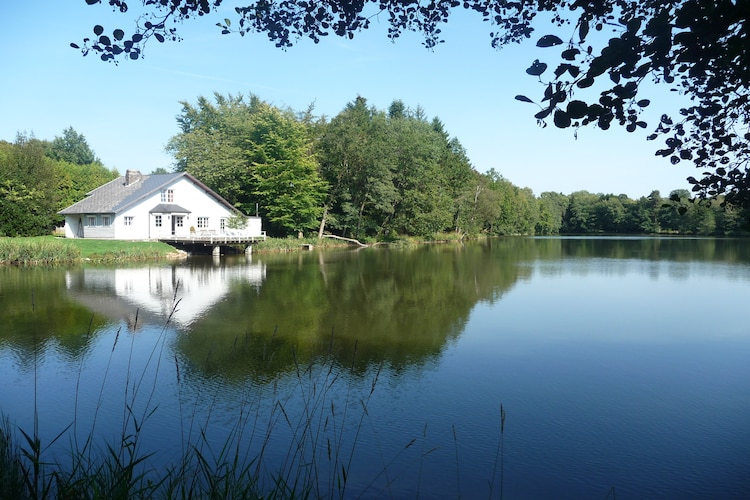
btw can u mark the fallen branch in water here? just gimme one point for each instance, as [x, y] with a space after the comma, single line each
[351, 240]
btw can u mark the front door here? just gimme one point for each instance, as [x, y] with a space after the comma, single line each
[178, 222]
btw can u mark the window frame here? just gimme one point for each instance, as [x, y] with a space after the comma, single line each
[167, 196]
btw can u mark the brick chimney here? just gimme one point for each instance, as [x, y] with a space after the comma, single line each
[132, 176]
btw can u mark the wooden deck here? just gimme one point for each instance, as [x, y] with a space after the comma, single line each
[209, 238]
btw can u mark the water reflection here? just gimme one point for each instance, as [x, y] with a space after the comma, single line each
[249, 317]
[603, 351]
[182, 293]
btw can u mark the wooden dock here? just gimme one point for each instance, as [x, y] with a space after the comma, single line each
[215, 240]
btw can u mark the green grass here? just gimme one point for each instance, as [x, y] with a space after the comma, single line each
[51, 250]
[293, 244]
[114, 250]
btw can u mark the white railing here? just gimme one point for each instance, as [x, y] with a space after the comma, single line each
[214, 237]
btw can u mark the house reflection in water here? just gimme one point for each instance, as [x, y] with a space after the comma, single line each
[150, 293]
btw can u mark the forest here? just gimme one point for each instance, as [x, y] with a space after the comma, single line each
[365, 173]
[40, 177]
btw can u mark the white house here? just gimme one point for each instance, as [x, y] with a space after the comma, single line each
[151, 207]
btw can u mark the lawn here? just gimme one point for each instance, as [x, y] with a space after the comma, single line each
[51, 250]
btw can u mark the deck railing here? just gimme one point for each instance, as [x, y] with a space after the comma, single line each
[216, 238]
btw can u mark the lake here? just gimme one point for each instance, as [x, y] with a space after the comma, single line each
[622, 365]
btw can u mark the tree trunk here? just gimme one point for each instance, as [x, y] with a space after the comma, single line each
[323, 222]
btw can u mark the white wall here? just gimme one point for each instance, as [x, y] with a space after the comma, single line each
[254, 226]
[188, 196]
[72, 226]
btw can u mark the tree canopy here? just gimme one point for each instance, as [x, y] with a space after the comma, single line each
[379, 174]
[73, 148]
[695, 47]
[251, 152]
[38, 178]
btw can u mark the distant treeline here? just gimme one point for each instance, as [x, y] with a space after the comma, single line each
[366, 173]
[583, 212]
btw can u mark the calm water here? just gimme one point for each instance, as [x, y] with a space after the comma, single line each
[620, 363]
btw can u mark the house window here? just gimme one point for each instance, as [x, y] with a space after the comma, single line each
[91, 220]
[178, 220]
[157, 220]
[128, 220]
[106, 220]
[222, 224]
[202, 222]
[167, 196]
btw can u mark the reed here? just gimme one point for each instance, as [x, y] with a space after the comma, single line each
[293, 244]
[318, 457]
[34, 251]
[48, 250]
[12, 476]
[321, 427]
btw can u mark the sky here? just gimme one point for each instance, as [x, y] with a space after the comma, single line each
[127, 112]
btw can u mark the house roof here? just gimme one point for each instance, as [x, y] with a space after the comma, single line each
[168, 208]
[116, 195]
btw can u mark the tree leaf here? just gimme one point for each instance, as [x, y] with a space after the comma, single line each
[577, 109]
[98, 30]
[585, 82]
[523, 98]
[583, 30]
[570, 54]
[118, 34]
[159, 37]
[543, 114]
[561, 119]
[633, 25]
[549, 41]
[536, 68]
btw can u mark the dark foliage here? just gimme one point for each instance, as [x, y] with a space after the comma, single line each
[697, 47]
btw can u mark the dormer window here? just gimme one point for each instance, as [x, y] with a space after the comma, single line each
[167, 196]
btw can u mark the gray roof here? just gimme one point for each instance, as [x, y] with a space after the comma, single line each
[168, 208]
[115, 196]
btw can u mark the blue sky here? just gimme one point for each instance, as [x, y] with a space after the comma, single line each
[127, 112]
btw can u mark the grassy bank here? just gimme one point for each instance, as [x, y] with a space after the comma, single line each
[293, 244]
[49, 250]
